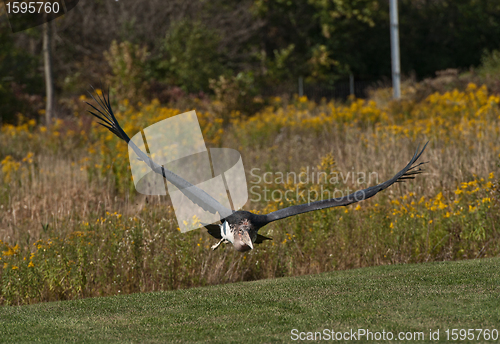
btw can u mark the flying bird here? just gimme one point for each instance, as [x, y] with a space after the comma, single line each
[241, 227]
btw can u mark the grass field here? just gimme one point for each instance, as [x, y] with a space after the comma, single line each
[398, 298]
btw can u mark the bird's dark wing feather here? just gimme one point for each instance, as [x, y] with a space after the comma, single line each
[260, 239]
[213, 230]
[196, 195]
[408, 172]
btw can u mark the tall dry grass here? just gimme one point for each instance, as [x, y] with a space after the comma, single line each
[72, 225]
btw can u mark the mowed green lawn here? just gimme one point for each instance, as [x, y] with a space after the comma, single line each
[401, 298]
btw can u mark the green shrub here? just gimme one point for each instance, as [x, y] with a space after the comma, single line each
[128, 64]
[190, 56]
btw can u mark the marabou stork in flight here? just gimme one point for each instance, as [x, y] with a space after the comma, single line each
[241, 227]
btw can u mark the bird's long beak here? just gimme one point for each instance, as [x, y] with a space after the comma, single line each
[247, 240]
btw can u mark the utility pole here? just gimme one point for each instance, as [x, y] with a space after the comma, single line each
[351, 84]
[396, 69]
[301, 86]
[49, 78]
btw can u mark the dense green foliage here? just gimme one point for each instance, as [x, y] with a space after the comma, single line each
[189, 56]
[18, 76]
[354, 35]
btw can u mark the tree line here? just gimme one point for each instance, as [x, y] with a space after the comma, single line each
[148, 47]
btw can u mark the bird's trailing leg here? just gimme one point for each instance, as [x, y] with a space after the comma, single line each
[214, 247]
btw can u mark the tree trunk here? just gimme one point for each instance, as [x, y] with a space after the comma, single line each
[49, 78]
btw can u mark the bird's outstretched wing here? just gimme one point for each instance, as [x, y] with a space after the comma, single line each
[213, 230]
[195, 194]
[408, 172]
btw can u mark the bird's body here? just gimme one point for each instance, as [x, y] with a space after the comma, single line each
[230, 233]
[241, 227]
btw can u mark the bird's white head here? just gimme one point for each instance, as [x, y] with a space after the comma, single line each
[242, 239]
[238, 235]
